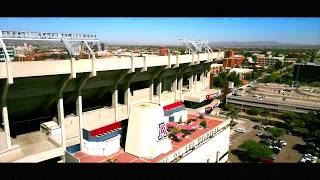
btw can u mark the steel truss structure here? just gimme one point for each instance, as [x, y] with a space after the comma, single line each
[196, 46]
[71, 41]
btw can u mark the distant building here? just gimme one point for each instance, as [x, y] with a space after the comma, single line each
[164, 51]
[215, 70]
[306, 72]
[241, 71]
[290, 60]
[233, 60]
[11, 53]
[268, 61]
[272, 61]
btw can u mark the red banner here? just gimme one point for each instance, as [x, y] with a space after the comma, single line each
[173, 105]
[105, 129]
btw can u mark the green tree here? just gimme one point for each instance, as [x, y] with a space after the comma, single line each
[246, 63]
[182, 51]
[266, 113]
[254, 59]
[218, 81]
[301, 130]
[314, 84]
[264, 52]
[255, 111]
[248, 54]
[255, 151]
[228, 107]
[276, 132]
[233, 113]
[234, 77]
[278, 65]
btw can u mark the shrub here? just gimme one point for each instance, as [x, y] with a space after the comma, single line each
[233, 123]
[111, 160]
[175, 131]
[180, 120]
[203, 124]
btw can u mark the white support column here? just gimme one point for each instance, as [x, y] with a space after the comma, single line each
[174, 84]
[207, 82]
[151, 87]
[191, 83]
[5, 120]
[62, 125]
[127, 97]
[79, 114]
[202, 79]
[159, 87]
[73, 69]
[180, 84]
[174, 87]
[115, 102]
[195, 83]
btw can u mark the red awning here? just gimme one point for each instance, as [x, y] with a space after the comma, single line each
[179, 135]
[171, 124]
[173, 105]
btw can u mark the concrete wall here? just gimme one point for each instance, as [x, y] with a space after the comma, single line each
[40, 68]
[208, 151]
[72, 126]
[140, 95]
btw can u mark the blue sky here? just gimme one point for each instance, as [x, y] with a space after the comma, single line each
[167, 31]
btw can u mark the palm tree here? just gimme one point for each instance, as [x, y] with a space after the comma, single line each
[267, 114]
[233, 114]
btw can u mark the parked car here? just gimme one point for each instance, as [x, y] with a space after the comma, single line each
[308, 158]
[277, 143]
[259, 134]
[276, 150]
[283, 142]
[266, 142]
[256, 127]
[240, 130]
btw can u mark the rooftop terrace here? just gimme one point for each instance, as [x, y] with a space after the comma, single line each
[181, 148]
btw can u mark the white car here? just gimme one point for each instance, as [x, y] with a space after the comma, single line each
[283, 143]
[306, 159]
[259, 134]
[240, 130]
[314, 158]
[278, 148]
[260, 98]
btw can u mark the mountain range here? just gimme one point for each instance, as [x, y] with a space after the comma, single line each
[257, 44]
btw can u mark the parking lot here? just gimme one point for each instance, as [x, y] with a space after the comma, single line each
[237, 139]
[286, 155]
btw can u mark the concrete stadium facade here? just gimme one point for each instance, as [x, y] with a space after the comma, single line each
[33, 92]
